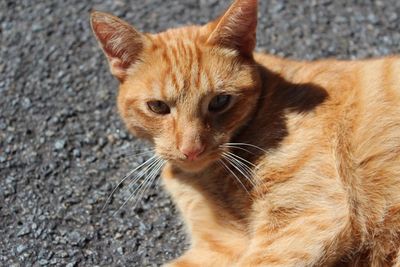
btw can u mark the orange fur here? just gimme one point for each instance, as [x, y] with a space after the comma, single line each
[325, 181]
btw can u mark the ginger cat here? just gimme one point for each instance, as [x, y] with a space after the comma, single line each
[272, 162]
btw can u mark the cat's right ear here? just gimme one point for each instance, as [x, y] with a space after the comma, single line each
[121, 43]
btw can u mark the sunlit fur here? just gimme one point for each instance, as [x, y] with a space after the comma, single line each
[303, 169]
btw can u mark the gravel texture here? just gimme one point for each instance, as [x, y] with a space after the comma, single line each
[63, 147]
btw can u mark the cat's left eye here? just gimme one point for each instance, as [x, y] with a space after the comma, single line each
[158, 107]
[219, 103]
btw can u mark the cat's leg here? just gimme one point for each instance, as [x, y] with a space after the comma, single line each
[312, 240]
[212, 249]
[214, 241]
[306, 222]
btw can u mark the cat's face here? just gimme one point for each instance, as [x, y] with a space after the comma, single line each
[187, 90]
[188, 98]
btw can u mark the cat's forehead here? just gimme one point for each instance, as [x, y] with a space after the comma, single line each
[178, 46]
[181, 64]
[188, 34]
[185, 41]
[175, 47]
[178, 62]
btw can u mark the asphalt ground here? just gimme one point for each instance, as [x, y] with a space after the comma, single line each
[63, 147]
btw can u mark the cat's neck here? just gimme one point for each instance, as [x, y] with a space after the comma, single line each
[282, 93]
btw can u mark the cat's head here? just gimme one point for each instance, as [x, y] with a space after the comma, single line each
[187, 90]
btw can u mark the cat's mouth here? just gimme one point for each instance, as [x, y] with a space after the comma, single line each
[197, 164]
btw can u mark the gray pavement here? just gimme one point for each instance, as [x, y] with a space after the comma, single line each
[63, 147]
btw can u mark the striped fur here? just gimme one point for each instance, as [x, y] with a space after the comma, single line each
[325, 178]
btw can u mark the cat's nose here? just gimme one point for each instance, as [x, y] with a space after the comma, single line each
[193, 152]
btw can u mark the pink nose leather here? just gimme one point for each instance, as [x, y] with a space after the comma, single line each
[192, 153]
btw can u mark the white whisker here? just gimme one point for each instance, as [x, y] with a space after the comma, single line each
[140, 154]
[141, 185]
[126, 177]
[141, 173]
[245, 144]
[236, 147]
[233, 160]
[242, 159]
[153, 176]
[247, 173]
[234, 174]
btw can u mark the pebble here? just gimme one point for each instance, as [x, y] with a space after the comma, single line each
[21, 248]
[75, 238]
[23, 231]
[120, 250]
[62, 254]
[76, 152]
[43, 262]
[60, 144]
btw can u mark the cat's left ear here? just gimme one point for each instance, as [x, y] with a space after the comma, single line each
[236, 29]
[121, 43]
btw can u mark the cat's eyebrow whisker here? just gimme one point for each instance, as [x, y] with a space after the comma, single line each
[140, 186]
[234, 174]
[129, 174]
[249, 145]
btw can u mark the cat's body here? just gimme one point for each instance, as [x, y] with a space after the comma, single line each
[322, 140]
[329, 193]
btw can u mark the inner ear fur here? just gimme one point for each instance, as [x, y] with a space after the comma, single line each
[121, 43]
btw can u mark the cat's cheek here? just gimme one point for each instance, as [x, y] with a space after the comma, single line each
[138, 126]
[139, 133]
[228, 124]
[220, 138]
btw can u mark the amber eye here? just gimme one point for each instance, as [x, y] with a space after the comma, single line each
[219, 103]
[158, 107]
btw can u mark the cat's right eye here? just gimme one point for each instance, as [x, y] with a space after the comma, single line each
[158, 107]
